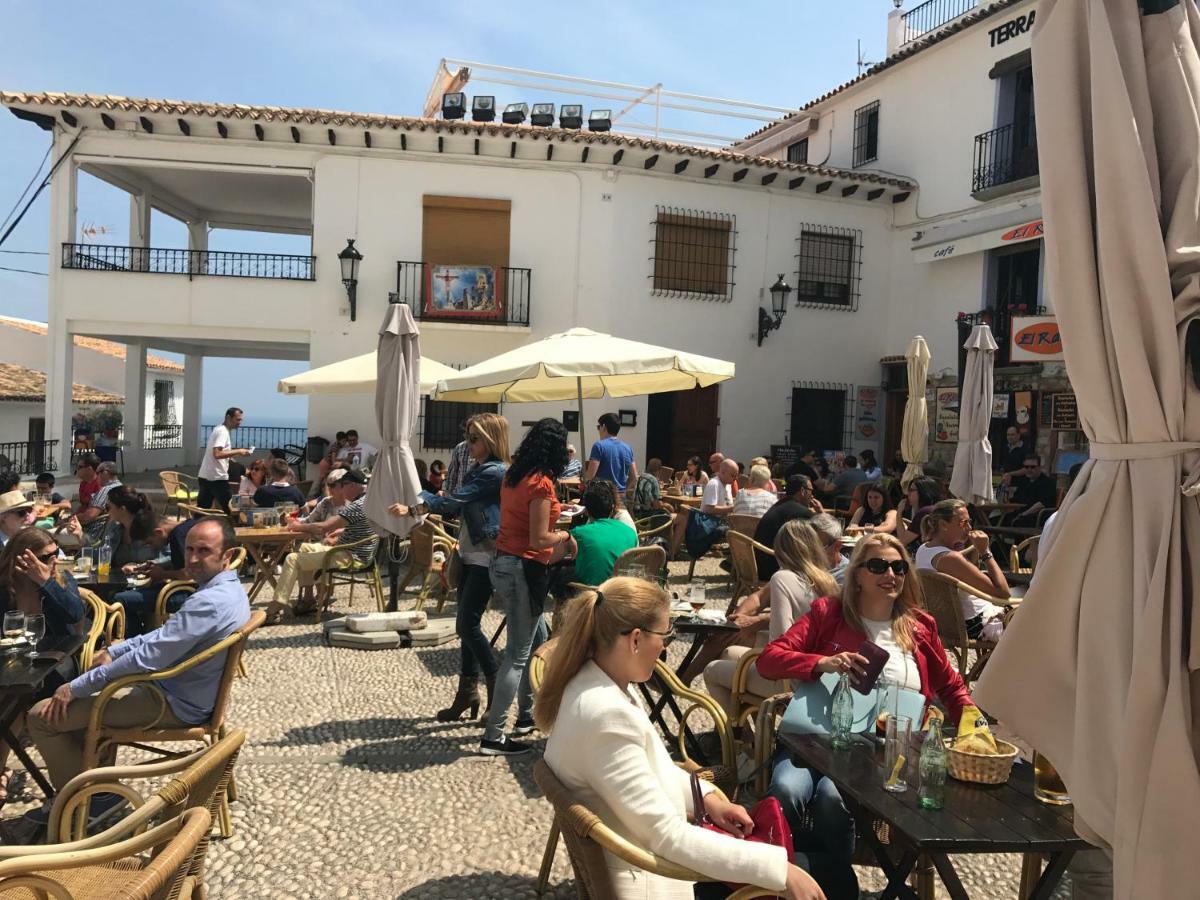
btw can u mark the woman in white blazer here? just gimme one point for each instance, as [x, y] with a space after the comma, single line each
[604, 748]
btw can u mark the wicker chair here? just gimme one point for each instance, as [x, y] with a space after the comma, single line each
[942, 602]
[108, 624]
[587, 837]
[742, 524]
[658, 525]
[1029, 547]
[746, 701]
[198, 512]
[423, 541]
[342, 566]
[745, 566]
[178, 488]
[665, 474]
[653, 559]
[102, 741]
[123, 869]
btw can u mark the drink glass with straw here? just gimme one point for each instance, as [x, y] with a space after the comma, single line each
[896, 750]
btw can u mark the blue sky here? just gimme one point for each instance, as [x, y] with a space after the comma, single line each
[380, 57]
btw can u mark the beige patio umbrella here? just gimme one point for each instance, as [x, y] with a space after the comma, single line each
[582, 363]
[356, 375]
[971, 479]
[914, 434]
[394, 478]
[1098, 669]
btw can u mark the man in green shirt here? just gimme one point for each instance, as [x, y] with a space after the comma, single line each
[603, 538]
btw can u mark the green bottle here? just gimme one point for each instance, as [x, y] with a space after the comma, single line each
[933, 761]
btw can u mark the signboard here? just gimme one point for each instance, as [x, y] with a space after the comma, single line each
[1035, 339]
[866, 424]
[1064, 414]
[945, 428]
[1000, 406]
[784, 455]
[984, 240]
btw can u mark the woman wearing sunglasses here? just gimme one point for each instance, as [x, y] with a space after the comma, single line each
[881, 601]
[606, 751]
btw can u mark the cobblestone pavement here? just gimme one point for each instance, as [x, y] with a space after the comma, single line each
[350, 788]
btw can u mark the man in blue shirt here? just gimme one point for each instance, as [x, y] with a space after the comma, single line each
[217, 609]
[611, 458]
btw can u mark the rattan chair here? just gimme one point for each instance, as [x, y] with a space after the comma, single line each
[108, 625]
[342, 566]
[745, 566]
[943, 603]
[423, 541]
[178, 488]
[746, 701]
[742, 523]
[657, 525]
[653, 559]
[198, 512]
[1029, 547]
[101, 742]
[665, 474]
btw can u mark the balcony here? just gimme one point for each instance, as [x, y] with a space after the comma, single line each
[1006, 160]
[929, 16]
[999, 318]
[222, 263]
[506, 302]
[28, 457]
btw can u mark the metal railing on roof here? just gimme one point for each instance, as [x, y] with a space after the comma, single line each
[162, 261]
[920, 20]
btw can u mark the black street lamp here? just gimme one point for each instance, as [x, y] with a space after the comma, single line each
[779, 294]
[349, 259]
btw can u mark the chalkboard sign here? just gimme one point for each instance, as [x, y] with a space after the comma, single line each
[1064, 414]
[785, 455]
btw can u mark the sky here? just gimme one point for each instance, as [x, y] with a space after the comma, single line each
[378, 57]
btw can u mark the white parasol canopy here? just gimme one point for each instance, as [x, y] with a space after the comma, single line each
[914, 435]
[972, 476]
[356, 375]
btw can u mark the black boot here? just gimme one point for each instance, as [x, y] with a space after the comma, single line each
[466, 697]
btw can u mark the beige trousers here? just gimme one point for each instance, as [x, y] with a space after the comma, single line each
[61, 743]
[301, 567]
[718, 680]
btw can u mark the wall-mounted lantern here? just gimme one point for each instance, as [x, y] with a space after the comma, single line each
[350, 259]
[779, 295]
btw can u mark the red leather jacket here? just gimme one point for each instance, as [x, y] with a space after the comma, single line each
[823, 632]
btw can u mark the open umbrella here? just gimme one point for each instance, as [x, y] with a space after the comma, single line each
[972, 476]
[1098, 669]
[356, 375]
[914, 435]
[394, 478]
[582, 363]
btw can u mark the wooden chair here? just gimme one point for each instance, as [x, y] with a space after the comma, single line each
[108, 624]
[742, 523]
[943, 603]
[423, 541]
[745, 566]
[342, 566]
[587, 837]
[178, 488]
[653, 559]
[665, 474]
[102, 741]
[1029, 547]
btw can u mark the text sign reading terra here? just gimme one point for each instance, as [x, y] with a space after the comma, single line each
[1011, 29]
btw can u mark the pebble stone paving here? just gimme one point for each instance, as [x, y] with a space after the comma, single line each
[349, 788]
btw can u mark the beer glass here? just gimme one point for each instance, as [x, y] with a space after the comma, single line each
[1047, 783]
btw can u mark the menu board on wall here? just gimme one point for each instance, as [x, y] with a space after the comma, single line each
[866, 424]
[784, 455]
[945, 429]
[1064, 414]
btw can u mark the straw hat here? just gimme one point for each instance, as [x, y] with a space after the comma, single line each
[14, 500]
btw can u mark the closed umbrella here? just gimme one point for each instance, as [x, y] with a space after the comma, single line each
[356, 375]
[1098, 670]
[972, 476]
[394, 478]
[914, 435]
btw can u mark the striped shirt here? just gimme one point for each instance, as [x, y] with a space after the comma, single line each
[358, 528]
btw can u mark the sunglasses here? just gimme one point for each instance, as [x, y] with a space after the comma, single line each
[48, 557]
[667, 636]
[877, 566]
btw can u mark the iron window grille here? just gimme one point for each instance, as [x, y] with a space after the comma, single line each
[866, 134]
[798, 152]
[692, 254]
[821, 415]
[441, 422]
[829, 267]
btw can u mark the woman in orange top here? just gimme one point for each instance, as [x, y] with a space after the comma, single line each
[525, 548]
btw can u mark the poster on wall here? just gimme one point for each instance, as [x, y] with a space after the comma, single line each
[866, 424]
[1035, 339]
[457, 291]
[946, 421]
[1000, 406]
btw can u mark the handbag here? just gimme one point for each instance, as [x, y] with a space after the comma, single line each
[770, 824]
[811, 708]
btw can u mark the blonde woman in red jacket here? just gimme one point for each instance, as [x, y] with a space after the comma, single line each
[881, 601]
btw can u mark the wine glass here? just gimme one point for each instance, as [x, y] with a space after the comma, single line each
[14, 625]
[35, 630]
[696, 596]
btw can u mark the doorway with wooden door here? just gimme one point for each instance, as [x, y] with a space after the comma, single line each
[682, 424]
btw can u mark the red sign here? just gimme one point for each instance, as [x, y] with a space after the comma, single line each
[1041, 338]
[1026, 232]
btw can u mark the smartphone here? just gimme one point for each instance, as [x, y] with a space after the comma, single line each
[876, 658]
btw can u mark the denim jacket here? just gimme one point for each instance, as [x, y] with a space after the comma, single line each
[477, 501]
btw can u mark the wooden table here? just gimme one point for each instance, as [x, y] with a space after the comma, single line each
[20, 680]
[267, 547]
[679, 501]
[1003, 818]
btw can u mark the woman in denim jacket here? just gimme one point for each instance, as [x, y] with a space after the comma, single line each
[477, 503]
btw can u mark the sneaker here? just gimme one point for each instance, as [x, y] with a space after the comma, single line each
[524, 726]
[503, 747]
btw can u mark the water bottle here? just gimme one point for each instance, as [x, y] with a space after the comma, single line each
[932, 793]
[843, 713]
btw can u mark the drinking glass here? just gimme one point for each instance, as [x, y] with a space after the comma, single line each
[696, 595]
[83, 563]
[103, 562]
[14, 625]
[896, 753]
[635, 571]
[1047, 783]
[35, 630]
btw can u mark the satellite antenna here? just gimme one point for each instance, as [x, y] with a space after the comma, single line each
[863, 62]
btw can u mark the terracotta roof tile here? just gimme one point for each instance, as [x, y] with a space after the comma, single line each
[18, 383]
[108, 348]
[326, 118]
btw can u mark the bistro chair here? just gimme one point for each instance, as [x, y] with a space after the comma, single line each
[656, 525]
[342, 566]
[942, 601]
[199, 512]
[153, 865]
[178, 488]
[107, 624]
[1029, 547]
[102, 741]
[665, 474]
[742, 523]
[653, 559]
[745, 566]
[423, 541]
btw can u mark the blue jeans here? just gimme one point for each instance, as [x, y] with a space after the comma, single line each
[522, 586]
[822, 827]
[474, 591]
[139, 607]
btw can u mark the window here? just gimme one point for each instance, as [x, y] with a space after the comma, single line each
[164, 403]
[829, 266]
[822, 416]
[693, 253]
[442, 425]
[866, 134]
[798, 152]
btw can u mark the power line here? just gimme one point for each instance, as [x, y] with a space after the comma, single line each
[41, 187]
[36, 173]
[27, 252]
[26, 271]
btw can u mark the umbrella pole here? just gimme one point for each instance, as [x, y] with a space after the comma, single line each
[579, 388]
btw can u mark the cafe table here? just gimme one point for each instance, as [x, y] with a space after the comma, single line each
[267, 547]
[21, 678]
[679, 501]
[976, 818]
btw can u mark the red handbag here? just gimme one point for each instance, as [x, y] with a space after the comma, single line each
[770, 824]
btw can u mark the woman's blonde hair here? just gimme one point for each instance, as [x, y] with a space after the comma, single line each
[760, 461]
[26, 539]
[494, 430]
[911, 599]
[592, 621]
[760, 476]
[942, 511]
[798, 549]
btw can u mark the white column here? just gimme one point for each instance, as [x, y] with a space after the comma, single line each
[198, 240]
[193, 385]
[139, 229]
[60, 358]
[135, 403]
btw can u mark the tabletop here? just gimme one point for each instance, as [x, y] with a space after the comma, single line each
[691, 625]
[1003, 818]
[21, 675]
[246, 534]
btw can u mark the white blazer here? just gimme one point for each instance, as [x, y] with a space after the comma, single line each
[605, 749]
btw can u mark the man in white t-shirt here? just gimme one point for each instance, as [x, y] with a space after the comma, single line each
[214, 467]
[355, 454]
[717, 501]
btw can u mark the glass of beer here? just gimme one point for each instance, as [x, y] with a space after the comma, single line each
[1047, 783]
[14, 626]
[696, 596]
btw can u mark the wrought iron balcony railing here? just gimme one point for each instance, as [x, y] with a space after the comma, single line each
[999, 318]
[28, 457]
[921, 20]
[158, 261]
[438, 293]
[1005, 155]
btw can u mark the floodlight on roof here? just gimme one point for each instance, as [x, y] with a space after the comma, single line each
[571, 116]
[515, 113]
[542, 115]
[454, 105]
[600, 120]
[483, 108]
